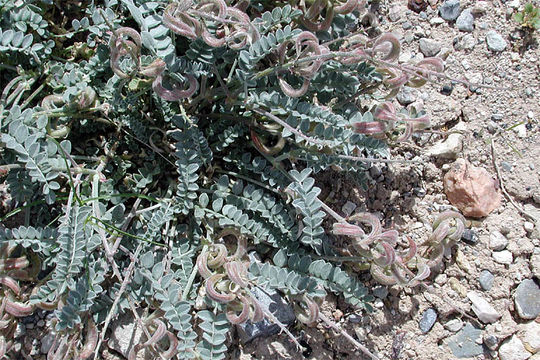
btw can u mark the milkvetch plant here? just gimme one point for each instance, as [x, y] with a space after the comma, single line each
[163, 155]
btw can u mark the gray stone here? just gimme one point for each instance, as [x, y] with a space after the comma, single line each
[467, 42]
[406, 25]
[486, 280]
[447, 149]
[274, 302]
[406, 96]
[504, 257]
[495, 41]
[46, 342]
[491, 342]
[381, 292]
[527, 300]
[469, 236]
[485, 312]
[513, 349]
[465, 344]
[454, 325]
[465, 21]
[449, 10]
[497, 241]
[497, 116]
[436, 21]
[348, 208]
[429, 47]
[428, 320]
[506, 166]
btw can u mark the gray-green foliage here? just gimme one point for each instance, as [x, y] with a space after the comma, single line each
[132, 173]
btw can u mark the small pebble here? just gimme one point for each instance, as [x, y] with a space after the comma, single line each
[454, 325]
[497, 117]
[528, 226]
[486, 280]
[428, 320]
[491, 342]
[447, 90]
[503, 257]
[526, 299]
[470, 237]
[381, 292]
[506, 166]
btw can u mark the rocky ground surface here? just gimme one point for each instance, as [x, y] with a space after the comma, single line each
[484, 302]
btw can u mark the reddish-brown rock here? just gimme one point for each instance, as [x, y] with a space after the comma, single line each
[472, 190]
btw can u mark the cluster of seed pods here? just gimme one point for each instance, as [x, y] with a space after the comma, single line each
[227, 282]
[216, 23]
[390, 266]
[126, 41]
[388, 121]
[313, 18]
[65, 346]
[226, 279]
[158, 335]
[11, 307]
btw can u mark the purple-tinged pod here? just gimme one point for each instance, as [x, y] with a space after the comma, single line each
[383, 42]
[424, 69]
[292, 92]
[202, 265]
[237, 273]
[213, 294]
[380, 275]
[346, 229]
[18, 309]
[257, 313]
[91, 340]
[423, 273]
[370, 220]
[217, 255]
[241, 242]
[369, 127]
[386, 112]
[158, 333]
[180, 22]
[243, 32]
[173, 345]
[348, 7]
[244, 314]
[176, 93]
[309, 313]
[10, 283]
[389, 256]
[154, 69]
[435, 255]
[411, 253]
[324, 25]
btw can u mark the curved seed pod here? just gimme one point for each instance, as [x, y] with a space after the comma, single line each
[381, 45]
[369, 127]
[241, 242]
[132, 355]
[217, 8]
[173, 344]
[18, 309]
[389, 236]
[347, 229]
[306, 44]
[411, 252]
[58, 352]
[320, 26]
[430, 64]
[257, 314]
[87, 98]
[216, 255]
[273, 150]
[454, 232]
[213, 293]
[175, 93]
[154, 69]
[237, 272]
[385, 112]
[439, 233]
[180, 22]
[91, 340]
[435, 255]
[158, 334]
[348, 7]
[379, 275]
[419, 123]
[3, 347]
[389, 256]
[244, 315]
[202, 265]
[370, 220]
[131, 33]
[292, 92]
[407, 133]
[310, 314]
[120, 47]
[10, 283]
[244, 31]
[422, 274]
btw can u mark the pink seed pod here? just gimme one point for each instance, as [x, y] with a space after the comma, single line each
[179, 22]
[154, 69]
[257, 313]
[369, 128]
[386, 112]
[389, 256]
[292, 92]
[176, 93]
[237, 273]
[312, 14]
[18, 309]
[411, 253]
[91, 340]
[213, 294]
[202, 265]
[389, 45]
[307, 311]
[244, 314]
[10, 283]
[217, 253]
[242, 31]
[425, 69]
[349, 6]
[347, 229]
